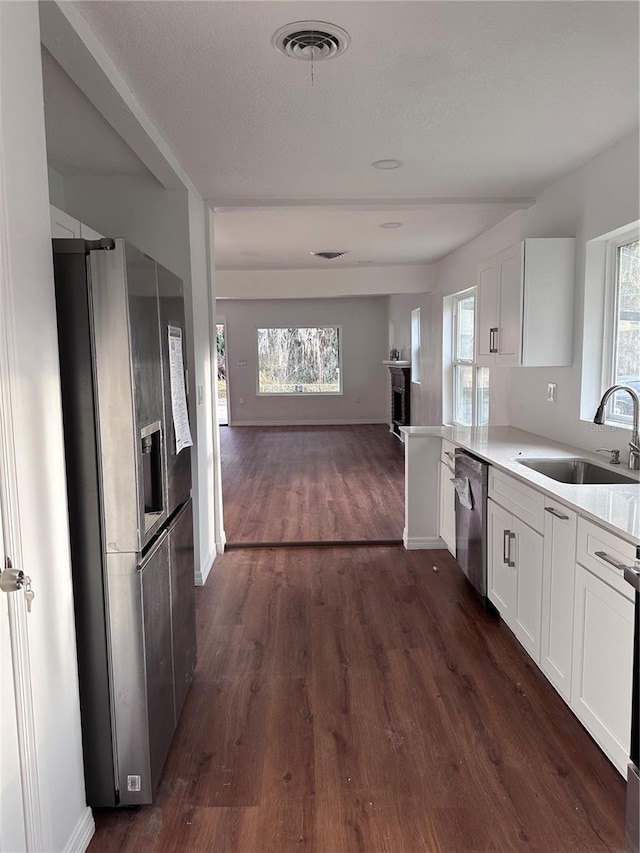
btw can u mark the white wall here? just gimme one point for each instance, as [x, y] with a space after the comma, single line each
[169, 225]
[56, 189]
[138, 208]
[599, 197]
[38, 428]
[298, 284]
[596, 199]
[425, 396]
[364, 323]
[203, 458]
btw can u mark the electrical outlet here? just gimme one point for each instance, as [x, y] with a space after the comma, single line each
[242, 363]
[552, 392]
[241, 401]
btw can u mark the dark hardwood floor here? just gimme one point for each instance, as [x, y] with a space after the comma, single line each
[354, 700]
[312, 484]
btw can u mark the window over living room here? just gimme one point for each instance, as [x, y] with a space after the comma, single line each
[299, 360]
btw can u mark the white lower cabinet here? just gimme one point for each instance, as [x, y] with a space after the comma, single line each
[528, 550]
[602, 668]
[558, 572]
[447, 496]
[565, 598]
[501, 580]
[447, 508]
[515, 575]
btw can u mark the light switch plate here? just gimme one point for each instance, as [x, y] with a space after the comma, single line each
[552, 392]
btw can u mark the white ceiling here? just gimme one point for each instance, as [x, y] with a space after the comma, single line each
[483, 101]
[283, 238]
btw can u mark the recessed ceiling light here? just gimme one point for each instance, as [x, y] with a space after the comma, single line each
[311, 41]
[387, 164]
[391, 225]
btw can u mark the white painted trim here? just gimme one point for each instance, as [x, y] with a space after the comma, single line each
[82, 834]
[221, 542]
[67, 36]
[418, 543]
[375, 204]
[18, 627]
[202, 573]
[345, 422]
[218, 507]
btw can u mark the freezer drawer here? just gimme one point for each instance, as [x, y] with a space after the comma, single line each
[142, 670]
[182, 605]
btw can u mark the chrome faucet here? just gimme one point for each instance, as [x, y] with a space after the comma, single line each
[634, 444]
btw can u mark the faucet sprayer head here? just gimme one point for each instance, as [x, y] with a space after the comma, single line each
[599, 415]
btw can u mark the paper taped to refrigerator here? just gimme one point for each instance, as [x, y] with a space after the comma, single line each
[178, 392]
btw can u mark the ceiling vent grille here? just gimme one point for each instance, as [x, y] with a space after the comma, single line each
[311, 41]
[329, 256]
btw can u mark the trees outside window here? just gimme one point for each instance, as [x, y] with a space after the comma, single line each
[470, 382]
[623, 323]
[299, 360]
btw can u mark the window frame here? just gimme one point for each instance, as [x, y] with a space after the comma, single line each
[610, 317]
[416, 347]
[306, 394]
[456, 361]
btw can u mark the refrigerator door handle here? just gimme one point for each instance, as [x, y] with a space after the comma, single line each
[148, 555]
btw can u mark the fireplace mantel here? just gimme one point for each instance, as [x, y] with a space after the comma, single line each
[400, 395]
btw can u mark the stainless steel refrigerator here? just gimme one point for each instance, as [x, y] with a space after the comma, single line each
[121, 329]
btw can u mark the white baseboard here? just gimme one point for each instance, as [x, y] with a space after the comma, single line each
[82, 834]
[423, 543]
[347, 422]
[220, 543]
[202, 573]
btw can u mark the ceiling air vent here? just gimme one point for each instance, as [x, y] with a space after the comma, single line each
[311, 41]
[329, 256]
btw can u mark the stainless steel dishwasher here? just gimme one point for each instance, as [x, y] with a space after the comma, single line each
[471, 482]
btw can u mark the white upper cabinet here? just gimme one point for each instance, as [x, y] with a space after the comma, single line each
[62, 225]
[65, 226]
[525, 304]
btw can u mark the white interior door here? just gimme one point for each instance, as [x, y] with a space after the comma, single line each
[12, 825]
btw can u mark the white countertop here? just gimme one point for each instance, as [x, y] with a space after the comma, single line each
[616, 507]
[396, 363]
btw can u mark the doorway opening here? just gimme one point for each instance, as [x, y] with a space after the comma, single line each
[222, 401]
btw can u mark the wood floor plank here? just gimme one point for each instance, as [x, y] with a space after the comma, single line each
[318, 483]
[352, 699]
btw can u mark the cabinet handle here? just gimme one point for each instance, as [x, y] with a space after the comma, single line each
[493, 343]
[604, 556]
[632, 576]
[555, 513]
[505, 546]
[512, 538]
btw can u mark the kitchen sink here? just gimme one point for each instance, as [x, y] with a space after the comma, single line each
[578, 471]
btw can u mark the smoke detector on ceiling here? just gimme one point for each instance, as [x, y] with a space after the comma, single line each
[329, 256]
[311, 41]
